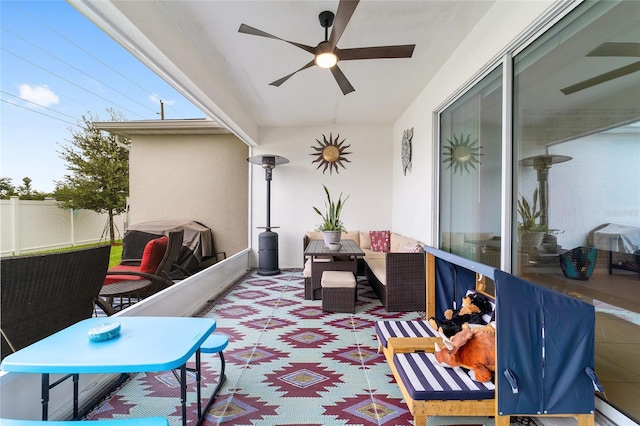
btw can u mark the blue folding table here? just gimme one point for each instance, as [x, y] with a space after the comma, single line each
[144, 344]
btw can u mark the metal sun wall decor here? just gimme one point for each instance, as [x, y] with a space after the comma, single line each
[461, 153]
[405, 150]
[330, 153]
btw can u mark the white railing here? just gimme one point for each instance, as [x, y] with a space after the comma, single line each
[28, 225]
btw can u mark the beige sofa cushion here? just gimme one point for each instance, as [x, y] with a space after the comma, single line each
[378, 267]
[398, 243]
[370, 254]
[352, 235]
[306, 272]
[313, 235]
[337, 279]
[365, 240]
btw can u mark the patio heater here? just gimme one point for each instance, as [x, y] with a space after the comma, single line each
[268, 240]
[541, 164]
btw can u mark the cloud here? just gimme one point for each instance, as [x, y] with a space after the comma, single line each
[39, 95]
[156, 100]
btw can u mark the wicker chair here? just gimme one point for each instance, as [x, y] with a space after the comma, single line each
[134, 281]
[43, 294]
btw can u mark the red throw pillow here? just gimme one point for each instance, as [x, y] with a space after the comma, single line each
[380, 240]
[153, 253]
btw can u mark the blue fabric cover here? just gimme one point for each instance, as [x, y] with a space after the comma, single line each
[452, 283]
[555, 383]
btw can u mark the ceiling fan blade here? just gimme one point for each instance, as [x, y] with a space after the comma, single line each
[246, 29]
[378, 52]
[343, 16]
[616, 49]
[602, 78]
[278, 82]
[342, 81]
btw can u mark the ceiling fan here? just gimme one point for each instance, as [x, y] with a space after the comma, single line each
[327, 54]
[610, 49]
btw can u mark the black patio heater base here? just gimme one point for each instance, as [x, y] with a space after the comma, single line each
[268, 253]
[268, 240]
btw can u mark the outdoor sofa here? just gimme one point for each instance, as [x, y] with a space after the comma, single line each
[396, 275]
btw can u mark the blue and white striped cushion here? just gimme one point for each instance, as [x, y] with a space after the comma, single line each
[426, 379]
[417, 328]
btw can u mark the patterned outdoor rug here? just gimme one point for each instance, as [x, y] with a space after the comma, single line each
[287, 363]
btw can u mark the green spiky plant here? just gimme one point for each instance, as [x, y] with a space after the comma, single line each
[331, 217]
[530, 215]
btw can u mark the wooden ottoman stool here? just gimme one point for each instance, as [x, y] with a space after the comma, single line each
[338, 291]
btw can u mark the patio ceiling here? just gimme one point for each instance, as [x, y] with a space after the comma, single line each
[197, 48]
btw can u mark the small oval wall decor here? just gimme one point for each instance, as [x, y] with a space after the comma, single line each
[405, 150]
[330, 153]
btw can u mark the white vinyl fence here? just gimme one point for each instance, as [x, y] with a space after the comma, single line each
[27, 226]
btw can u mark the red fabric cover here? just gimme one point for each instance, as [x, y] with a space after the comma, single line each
[380, 241]
[110, 279]
[151, 258]
[153, 253]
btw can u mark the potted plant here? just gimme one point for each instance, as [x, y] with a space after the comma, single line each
[331, 225]
[530, 230]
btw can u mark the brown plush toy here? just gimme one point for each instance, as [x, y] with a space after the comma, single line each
[472, 348]
[474, 306]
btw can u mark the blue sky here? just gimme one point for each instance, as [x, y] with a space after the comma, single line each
[55, 66]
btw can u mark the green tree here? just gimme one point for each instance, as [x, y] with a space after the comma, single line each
[6, 188]
[99, 170]
[24, 191]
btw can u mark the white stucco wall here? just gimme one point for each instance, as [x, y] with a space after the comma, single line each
[414, 205]
[297, 186]
[404, 204]
[202, 178]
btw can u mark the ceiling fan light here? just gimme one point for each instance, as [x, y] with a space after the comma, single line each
[326, 60]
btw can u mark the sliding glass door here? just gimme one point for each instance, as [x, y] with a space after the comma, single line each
[577, 177]
[470, 172]
[574, 210]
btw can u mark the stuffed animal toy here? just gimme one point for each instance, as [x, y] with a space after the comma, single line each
[473, 349]
[474, 306]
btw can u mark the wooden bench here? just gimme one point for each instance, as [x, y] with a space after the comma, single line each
[531, 311]
[428, 388]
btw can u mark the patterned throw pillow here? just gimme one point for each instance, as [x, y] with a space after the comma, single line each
[380, 240]
[412, 248]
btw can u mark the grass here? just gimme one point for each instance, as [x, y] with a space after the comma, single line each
[116, 254]
[114, 257]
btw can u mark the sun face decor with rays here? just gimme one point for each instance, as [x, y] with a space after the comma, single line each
[461, 153]
[330, 153]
